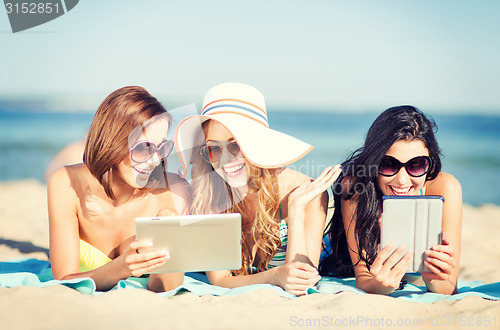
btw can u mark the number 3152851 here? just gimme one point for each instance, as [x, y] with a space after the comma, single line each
[32, 8]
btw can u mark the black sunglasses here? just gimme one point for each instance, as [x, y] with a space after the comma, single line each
[142, 151]
[213, 152]
[415, 167]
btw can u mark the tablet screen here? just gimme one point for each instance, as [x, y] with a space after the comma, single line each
[415, 221]
[195, 242]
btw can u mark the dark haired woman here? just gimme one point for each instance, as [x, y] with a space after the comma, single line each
[400, 157]
[92, 206]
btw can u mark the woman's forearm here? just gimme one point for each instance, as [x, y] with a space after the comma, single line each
[105, 277]
[441, 286]
[370, 285]
[297, 241]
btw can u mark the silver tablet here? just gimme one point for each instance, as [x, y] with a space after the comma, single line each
[415, 221]
[195, 242]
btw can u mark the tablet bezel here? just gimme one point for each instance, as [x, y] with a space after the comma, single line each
[202, 242]
[415, 221]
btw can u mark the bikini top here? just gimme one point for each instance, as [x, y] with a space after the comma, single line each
[280, 256]
[91, 257]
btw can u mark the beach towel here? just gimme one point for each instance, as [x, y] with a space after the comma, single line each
[412, 292]
[37, 273]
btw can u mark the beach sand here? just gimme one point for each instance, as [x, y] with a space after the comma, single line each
[24, 233]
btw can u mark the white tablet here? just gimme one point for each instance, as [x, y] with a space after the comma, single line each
[195, 242]
[415, 221]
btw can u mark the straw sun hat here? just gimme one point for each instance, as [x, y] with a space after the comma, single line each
[242, 110]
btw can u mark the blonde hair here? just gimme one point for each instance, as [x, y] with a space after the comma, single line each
[108, 137]
[211, 194]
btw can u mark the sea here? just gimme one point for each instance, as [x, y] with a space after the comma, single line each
[470, 144]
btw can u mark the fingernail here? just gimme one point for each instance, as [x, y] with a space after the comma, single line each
[149, 243]
[167, 254]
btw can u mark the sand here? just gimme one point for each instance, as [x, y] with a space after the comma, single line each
[24, 233]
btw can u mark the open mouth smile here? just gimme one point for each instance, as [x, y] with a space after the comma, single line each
[233, 171]
[142, 172]
[400, 191]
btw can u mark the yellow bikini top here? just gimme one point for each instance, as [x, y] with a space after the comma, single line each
[91, 257]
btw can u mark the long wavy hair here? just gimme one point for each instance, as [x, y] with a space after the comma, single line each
[211, 194]
[359, 183]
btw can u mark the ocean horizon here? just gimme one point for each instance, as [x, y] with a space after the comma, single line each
[469, 143]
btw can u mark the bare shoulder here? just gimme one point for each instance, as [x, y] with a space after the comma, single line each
[67, 185]
[67, 177]
[59, 177]
[289, 179]
[443, 184]
[446, 185]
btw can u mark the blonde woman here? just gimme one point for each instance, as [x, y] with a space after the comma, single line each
[92, 206]
[238, 165]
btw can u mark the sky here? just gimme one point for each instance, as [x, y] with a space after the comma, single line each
[441, 56]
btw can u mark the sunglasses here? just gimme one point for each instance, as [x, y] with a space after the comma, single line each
[142, 151]
[415, 167]
[213, 153]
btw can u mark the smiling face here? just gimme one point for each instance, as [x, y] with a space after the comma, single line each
[402, 184]
[137, 174]
[233, 169]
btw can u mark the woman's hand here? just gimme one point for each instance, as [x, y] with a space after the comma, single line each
[440, 261]
[387, 274]
[139, 258]
[295, 277]
[308, 191]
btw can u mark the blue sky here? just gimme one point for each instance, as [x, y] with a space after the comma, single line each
[442, 56]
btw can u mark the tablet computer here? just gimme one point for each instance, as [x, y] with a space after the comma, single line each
[415, 221]
[195, 242]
